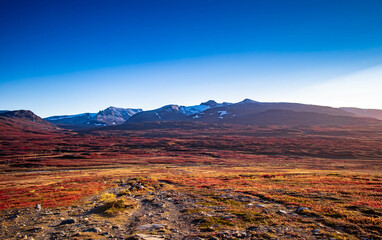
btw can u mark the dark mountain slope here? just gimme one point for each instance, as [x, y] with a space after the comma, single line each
[166, 113]
[286, 117]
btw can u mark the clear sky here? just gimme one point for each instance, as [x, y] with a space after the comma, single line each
[73, 56]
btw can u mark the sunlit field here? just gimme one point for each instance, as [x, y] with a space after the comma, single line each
[241, 182]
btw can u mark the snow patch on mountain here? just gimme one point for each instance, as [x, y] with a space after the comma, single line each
[190, 110]
[158, 115]
[109, 116]
[222, 113]
[55, 118]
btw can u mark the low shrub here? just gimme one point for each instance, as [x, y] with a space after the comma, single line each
[106, 197]
[116, 206]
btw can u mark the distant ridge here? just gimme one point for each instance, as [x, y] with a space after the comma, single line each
[23, 114]
[108, 116]
[370, 113]
[22, 120]
[247, 111]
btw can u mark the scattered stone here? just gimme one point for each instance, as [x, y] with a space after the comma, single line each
[150, 237]
[260, 206]
[94, 229]
[282, 212]
[14, 216]
[316, 231]
[249, 204]
[320, 225]
[301, 209]
[152, 226]
[67, 221]
[38, 207]
[214, 238]
[161, 205]
[240, 234]
[253, 228]
[37, 229]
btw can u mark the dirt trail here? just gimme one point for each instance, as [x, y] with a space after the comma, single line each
[164, 208]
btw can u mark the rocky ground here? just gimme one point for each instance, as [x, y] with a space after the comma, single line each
[166, 213]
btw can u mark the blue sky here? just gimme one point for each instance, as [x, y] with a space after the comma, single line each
[66, 57]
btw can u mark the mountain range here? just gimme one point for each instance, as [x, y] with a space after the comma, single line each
[245, 112]
[107, 117]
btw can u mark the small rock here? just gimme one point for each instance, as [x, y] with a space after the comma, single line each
[150, 237]
[161, 205]
[316, 231]
[249, 204]
[260, 206]
[38, 207]
[252, 228]
[67, 221]
[320, 225]
[239, 234]
[214, 238]
[151, 226]
[301, 209]
[36, 229]
[14, 216]
[282, 212]
[97, 230]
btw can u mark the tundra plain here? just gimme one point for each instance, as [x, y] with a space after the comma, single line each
[172, 180]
